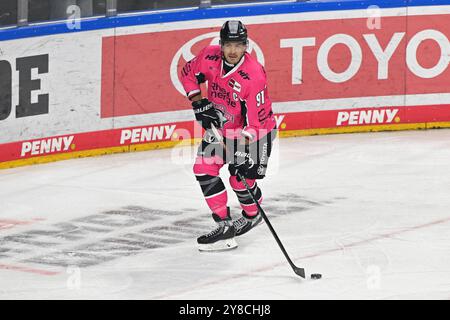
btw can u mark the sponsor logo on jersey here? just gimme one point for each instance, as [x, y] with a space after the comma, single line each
[214, 57]
[359, 117]
[244, 75]
[264, 152]
[46, 146]
[218, 92]
[261, 170]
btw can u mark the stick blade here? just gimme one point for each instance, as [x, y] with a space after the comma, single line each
[300, 272]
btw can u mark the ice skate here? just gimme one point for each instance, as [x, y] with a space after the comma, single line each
[246, 223]
[221, 238]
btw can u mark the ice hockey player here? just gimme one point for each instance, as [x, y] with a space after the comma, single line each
[238, 103]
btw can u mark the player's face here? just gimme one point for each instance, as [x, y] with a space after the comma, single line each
[233, 51]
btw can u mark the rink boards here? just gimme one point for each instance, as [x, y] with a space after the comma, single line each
[94, 87]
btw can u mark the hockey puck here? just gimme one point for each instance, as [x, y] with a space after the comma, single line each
[316, 276]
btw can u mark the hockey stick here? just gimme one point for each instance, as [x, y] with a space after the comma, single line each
[297, 270]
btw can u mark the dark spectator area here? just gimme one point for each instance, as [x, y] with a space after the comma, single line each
[45, 10]
[8, 12]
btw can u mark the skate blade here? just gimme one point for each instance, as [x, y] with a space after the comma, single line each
[221, 245]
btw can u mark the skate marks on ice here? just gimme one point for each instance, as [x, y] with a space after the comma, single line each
[88, 240]
[102, 237]
[290, 203]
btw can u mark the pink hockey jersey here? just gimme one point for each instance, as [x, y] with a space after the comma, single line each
[241, 94]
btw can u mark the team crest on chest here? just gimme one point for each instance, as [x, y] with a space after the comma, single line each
[235, 85]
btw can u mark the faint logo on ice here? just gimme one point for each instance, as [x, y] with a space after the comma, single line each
[74, 279]
[105, 236]
[373, 277]
[184, 54]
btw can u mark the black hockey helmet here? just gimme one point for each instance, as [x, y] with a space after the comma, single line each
[233, 30]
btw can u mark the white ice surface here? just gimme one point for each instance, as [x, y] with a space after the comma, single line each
[368, 211]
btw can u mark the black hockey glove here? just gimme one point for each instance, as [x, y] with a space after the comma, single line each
[205, 114]
[241, 165]
[250, 160]
[245, 164]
